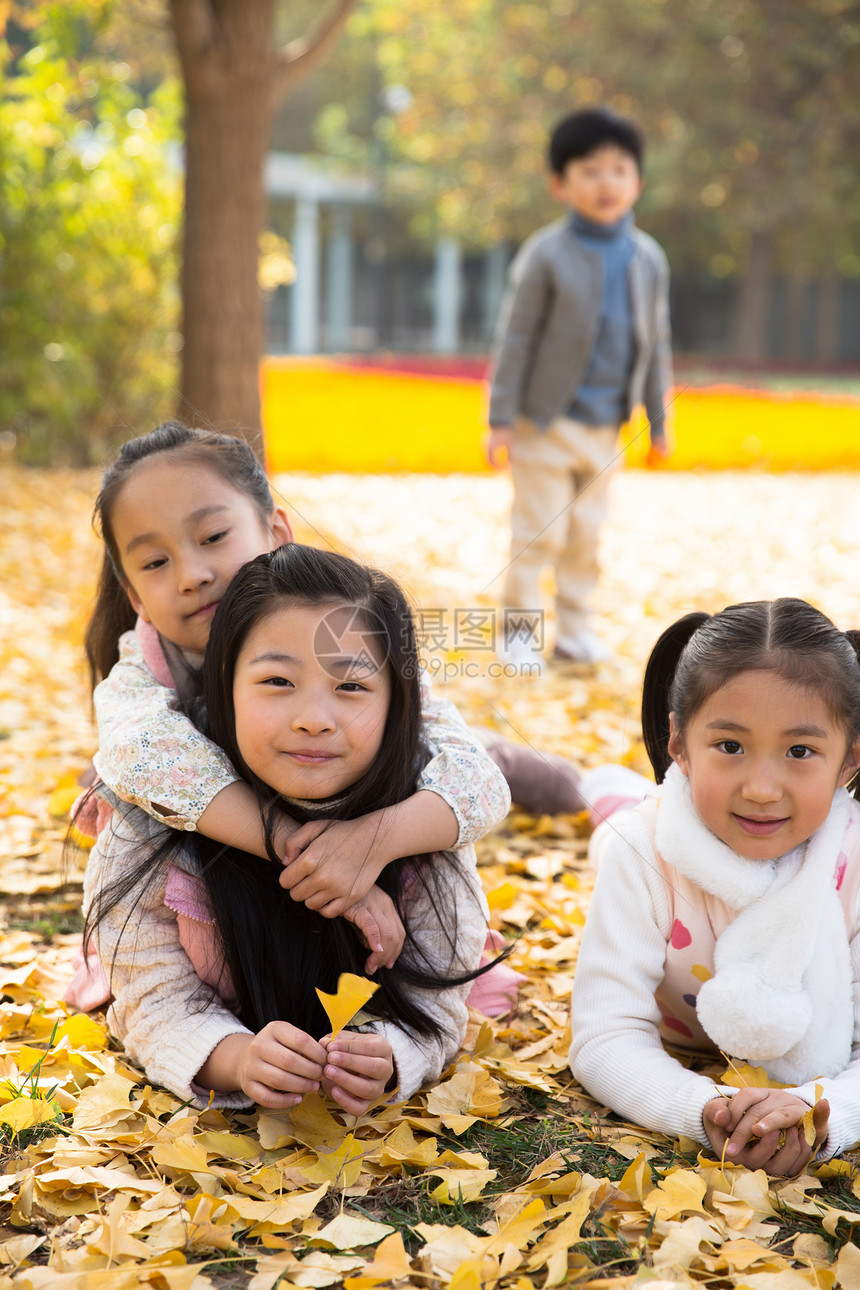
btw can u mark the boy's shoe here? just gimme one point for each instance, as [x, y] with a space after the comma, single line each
[520, 654]
[585, 647]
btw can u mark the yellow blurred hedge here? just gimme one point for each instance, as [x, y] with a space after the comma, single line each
[326, 415]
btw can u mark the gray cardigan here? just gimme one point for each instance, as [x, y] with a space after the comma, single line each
[549, 321]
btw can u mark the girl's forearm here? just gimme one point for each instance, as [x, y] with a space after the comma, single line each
[423, 822]
[222, 1069]
[233, 817]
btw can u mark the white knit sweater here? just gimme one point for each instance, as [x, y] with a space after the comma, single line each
[616, 1052]
[157, 1012]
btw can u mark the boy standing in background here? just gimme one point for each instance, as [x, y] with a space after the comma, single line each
[583, 338]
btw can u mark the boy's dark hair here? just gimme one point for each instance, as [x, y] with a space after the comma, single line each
[582, 133]
[227, 455]
[701, 652]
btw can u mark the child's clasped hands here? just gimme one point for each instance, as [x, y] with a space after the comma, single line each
[281, 1063]
[762, 1128]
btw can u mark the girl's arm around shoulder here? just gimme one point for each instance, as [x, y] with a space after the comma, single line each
[461, 772]
[616, 1052]
[157, 1010]
[153, 756]
[150, 754]
[447, 915]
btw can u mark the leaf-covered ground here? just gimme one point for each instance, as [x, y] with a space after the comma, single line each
[506, 1174]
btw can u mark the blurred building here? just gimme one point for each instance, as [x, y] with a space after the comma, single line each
[364, 284]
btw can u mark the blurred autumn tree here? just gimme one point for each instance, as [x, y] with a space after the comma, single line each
[88, 223]
[234, 74]
[753, 168]
[750, 108]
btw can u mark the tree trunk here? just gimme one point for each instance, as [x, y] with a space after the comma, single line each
[230, 68]
[753, 307]
[234, 76]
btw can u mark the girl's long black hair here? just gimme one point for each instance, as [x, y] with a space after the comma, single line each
[275, 949]
[701, 652]
[229, 456]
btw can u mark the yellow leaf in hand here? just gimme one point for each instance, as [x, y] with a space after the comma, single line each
[353, 993]
[742, 1075]
[807, 1123]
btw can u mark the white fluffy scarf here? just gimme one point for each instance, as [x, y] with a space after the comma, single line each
[781, 992]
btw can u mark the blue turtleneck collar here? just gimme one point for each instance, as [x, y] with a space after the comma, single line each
[589, 228]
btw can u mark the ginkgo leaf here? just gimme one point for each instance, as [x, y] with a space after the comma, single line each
[808, 1122]
[680, 1192]
[637, 1178]
[340, 1166]
[460, 1184]
[352, 1231]
[468, 1276]
[352, 994]
[848, 1266]
[82, 1032]
[390, 1263]
[742, 1075]
[26, 1112]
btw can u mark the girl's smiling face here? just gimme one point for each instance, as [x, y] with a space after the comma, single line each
[311, 692]
[764, 758]
[182, 531]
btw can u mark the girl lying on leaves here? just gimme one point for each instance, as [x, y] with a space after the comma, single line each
[726, 913]
[311, 688]
[180, 511]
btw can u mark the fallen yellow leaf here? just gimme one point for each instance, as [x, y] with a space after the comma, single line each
[339, 1167]
[390, 1263]
[26, 1112]
[82, 1032]
[348, 1231]
[680, 1192]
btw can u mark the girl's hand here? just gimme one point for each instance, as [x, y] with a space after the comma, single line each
[377, 919]
[280, 1065]
[330, 865]
[760, 1128]
[359, 1068]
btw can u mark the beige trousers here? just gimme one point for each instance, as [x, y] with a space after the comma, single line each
[561, 480]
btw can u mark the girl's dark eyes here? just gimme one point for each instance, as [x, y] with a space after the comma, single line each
[154, 564]
[730, 746]
[215, 537]
[280, 682]
[799, 752]
[352, 687]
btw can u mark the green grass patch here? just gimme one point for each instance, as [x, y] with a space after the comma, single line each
[47, 919]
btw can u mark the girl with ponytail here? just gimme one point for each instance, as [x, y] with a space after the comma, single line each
[726, 912]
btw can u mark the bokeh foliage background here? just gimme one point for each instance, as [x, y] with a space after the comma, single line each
[749, 106]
